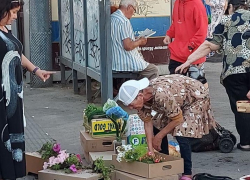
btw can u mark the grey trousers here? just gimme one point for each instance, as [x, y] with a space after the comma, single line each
[150, 72]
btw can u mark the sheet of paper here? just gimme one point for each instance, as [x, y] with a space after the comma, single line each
[147, 33]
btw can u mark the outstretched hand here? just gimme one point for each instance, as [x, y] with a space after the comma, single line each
[182, 68]
[44, 75]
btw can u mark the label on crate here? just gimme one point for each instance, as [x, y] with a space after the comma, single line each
[138, 140]
[104, 127]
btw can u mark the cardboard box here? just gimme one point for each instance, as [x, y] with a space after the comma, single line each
[34, 162]
[91, 144]
[86, 156]
[126, 176]
[106, 156]
[171, 166]
[136, 132]
[60, 175]
[104, 127]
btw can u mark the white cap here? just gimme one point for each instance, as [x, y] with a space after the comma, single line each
[130, 89]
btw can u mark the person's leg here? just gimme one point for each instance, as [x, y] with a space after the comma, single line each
[164, 143]
[150, 72]
[237, 86]
[186, 154]
[173, 65]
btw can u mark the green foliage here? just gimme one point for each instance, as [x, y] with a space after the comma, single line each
[56, 167]
[99, 167]
[109, 104]
[119, 130]
[47, 150]
[135, 153]
[93, 110]
[72, 159]
[67, 170]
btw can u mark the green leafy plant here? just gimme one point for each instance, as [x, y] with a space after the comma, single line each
[135, 154]
[138, 153]
[93, 110]
[47, 150]
[120, 127]
[58, 159]
[99, 167]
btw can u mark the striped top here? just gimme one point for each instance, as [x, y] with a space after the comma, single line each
[123, 60]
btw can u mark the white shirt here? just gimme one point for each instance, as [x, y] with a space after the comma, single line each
[123, 60]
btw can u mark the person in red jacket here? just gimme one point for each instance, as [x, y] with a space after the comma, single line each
[189, 30]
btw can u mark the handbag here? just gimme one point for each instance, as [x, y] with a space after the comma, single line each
[206, 176]
[208, 142]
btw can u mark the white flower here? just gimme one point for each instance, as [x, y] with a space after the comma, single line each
[197, 92]
[191, 132]
[170, 81]
[182, 93]
[185, 125]
[159, 89]
[179, 133]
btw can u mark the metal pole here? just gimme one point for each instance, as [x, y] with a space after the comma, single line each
[106, 68]
[40, 39]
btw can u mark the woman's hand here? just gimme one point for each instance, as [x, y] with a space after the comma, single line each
[182, 68]
[44, 75]
[157, 140]
[248, 95]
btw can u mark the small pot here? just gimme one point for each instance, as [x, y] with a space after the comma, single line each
[116, 144]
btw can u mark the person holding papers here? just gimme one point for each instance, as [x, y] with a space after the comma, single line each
[124, 45]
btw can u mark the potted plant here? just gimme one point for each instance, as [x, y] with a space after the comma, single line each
[99, 167]
[119, 117]
[59, 159]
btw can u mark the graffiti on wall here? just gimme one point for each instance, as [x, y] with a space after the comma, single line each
[79, 32]
[93, 34]
[150, 8]
[66, 31]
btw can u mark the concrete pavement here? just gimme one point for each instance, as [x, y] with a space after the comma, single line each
[56, 113]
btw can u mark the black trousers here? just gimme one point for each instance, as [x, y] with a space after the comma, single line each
[237, 86]
[185, 150]
[174, 64]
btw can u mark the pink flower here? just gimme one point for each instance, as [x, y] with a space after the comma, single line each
[45, 165]
[57, 148]
[150, 153]
[62, 156]
[73, 168]
[51, 161]
[79, 157]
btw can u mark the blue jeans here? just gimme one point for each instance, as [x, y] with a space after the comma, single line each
[186, 152]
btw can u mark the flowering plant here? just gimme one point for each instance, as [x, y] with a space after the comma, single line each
[115, 113]
[138, 153]
[58, 159]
